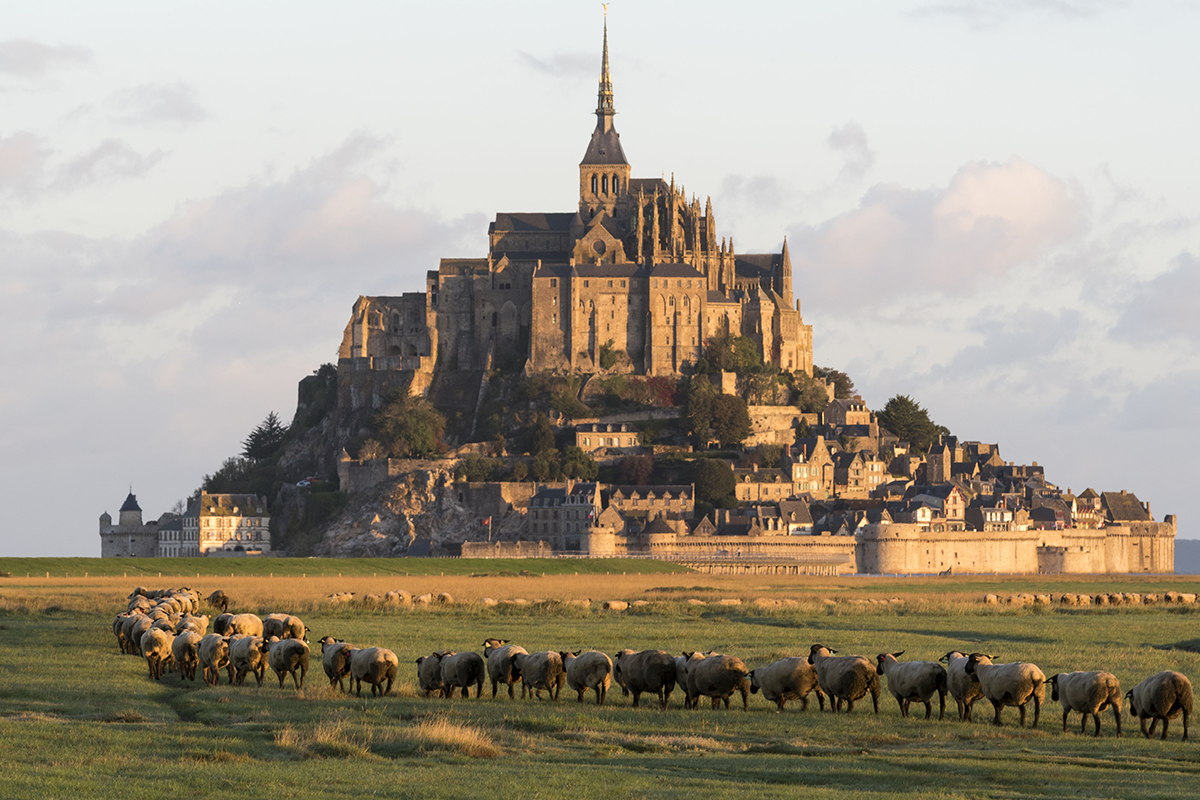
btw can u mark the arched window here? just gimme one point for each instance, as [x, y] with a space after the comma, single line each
[604, 184]
[593, 184]
[616, 184]
[495, 319]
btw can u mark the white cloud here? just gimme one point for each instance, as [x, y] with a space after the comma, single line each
[25, 58]
[990, 220]
[850, 142]
[109, 160]
[562, 65]
[154, 103]
[22, 158]
[1164, 308]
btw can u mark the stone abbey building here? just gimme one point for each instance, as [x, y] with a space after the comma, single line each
[636, 271]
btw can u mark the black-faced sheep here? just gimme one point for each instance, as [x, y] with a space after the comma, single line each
[1162, 696]
[646, 671]
[249, 655]
[183, 650]
[214, 656]
[1014, 684]
[787, 679]
[156, 649]
[499, 653]
[963, 688]
[462, 670]
[1089, 693]
[287, 657]
[844, 678]
[335, 658]
[590, 670]
[375, 665]
[429, 673]
[718, 676]
[540, 672]
[914, 680]
[219, 599]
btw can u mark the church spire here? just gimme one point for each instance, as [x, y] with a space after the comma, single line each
[604, 97]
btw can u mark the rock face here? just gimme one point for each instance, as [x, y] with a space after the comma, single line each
[385, 520]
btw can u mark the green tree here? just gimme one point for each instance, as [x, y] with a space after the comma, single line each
[729, 353]
[906, 418]
[635, 470]
[579, 465]
[265, 439]
[803, 431]
[608, 355]
[713, 479]
[408, 426]
[698, 408]
[810, 396]
[543, 436]
[730, 419]
[843, 386]
[546, 466]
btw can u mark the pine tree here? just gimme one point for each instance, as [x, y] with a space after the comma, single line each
[265, 439]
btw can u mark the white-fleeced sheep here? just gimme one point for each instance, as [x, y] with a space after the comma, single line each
[1014, 684]
[787, 679]
[910, 681]
[844, 678]
[963, 688]
[1162, 696]
[1089, 693]
[590, 670]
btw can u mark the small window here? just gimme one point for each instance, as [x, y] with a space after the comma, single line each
[586, 284]
[610, 284]
[553, 283]
[604, 184]
[622, 284]
[593, 184]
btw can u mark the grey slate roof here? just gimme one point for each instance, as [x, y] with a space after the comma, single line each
[130, 504]
[1124, 507]
[604, 149]
[533, 222]
[675, 271]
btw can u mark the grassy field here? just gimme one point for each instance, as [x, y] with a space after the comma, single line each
[76, 717]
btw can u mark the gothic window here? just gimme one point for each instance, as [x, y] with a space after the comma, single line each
[616, 184]
[495, 319]
[672, 301]
[604, 184]
[593, 184]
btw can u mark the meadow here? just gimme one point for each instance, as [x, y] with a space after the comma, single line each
[77, 717]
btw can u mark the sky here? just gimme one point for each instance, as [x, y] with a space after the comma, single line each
[992, 207]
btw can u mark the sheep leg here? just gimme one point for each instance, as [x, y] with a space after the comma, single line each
[1166, 724]
[745, 700]
[1021, 708]
[389, 685]
[601, 694]
[998, 706]
[875, 698]
[1096, 718]
[903, 706]
[1037, 710]
[1142, 722]
[636, 697]
[1117, 716]
[1186, 714]
[1065, 713]
[928, 709]
[849, 705]
[941, 706]
[820, 700]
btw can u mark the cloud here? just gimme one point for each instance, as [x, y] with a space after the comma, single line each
[561, 65]
[850, 142]
[1164, 308]
[25, 58]
[171, 104]
[111, 159]
[22, 159]
[28, 169]
[985, 14]
[990, 220]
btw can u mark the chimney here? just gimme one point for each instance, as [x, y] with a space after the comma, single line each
[754, 467]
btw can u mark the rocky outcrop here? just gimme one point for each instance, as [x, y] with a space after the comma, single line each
[385, 520]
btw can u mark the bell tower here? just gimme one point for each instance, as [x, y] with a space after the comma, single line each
[603, 172]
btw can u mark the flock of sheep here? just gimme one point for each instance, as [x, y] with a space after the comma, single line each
[165, 628]
[1087, 600]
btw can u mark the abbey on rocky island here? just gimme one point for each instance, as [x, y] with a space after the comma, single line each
[635, 277]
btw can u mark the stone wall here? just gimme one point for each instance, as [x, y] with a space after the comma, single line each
[775, 424]
[506, 550]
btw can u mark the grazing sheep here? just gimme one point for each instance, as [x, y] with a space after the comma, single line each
[462, 670]
[683, 663]
[617, 677]
[646, 671]
[286, 657]
[718, 676]
[118, 629]
[285, 626]
[220, 625]
[248, 624]
[963, 688]
[914, 680]
[373, 665]
[335, 658]
[139, 603]
[156, 649]
[183, 650]
[1013, 684]
[499, 653]
[249, 655]
[398, 598]
[219, 599]
[134, 627]
[844, 678]
[192, 622]
[445, 598]
[429, 673]
[214, 656]
[540, 672]
[1164, 696]
[1089, 693]
[787, 679]
[590, 670]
